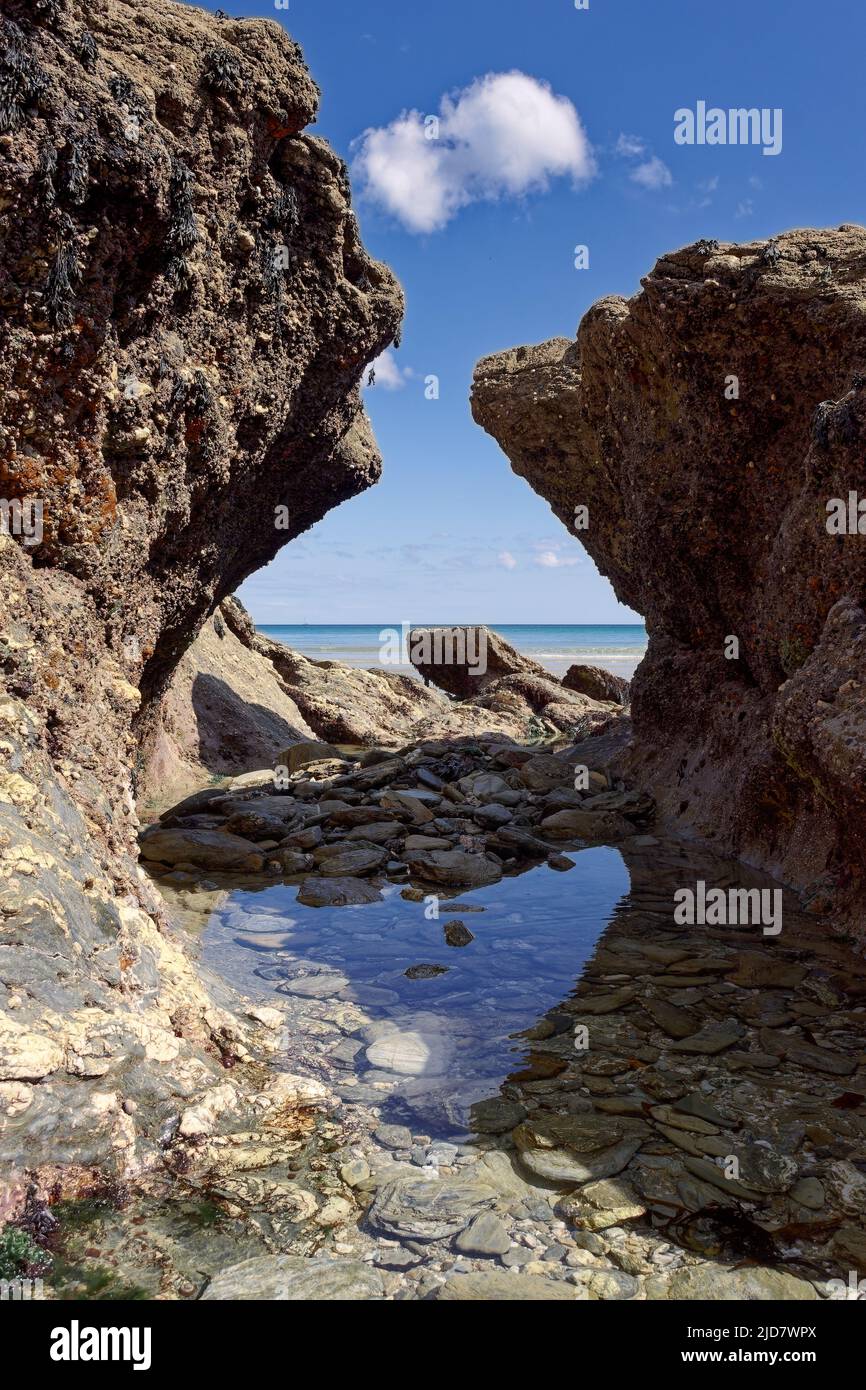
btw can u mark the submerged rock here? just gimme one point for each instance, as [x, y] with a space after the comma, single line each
[411, 1051]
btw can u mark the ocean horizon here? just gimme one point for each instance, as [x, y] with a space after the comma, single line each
[615, 647]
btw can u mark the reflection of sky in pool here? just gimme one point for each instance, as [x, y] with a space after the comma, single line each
[531, 942]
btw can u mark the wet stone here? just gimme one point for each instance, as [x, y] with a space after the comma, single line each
[427, 1208]
[457, 934]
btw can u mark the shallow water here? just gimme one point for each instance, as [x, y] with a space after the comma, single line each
[724, 1049]
[533, 936]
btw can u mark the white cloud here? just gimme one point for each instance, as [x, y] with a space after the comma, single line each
[653, 174]
[745, 208]
[630, 147]
[507, 560]
[505, 135]
[388, 372]
[549, 560]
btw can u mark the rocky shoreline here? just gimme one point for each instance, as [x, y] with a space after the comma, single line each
[181, 410]
[594, 1173]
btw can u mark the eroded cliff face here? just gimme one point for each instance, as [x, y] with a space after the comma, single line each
[706, 423]
[187, 313]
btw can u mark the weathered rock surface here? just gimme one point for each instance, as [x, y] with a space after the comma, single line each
[464, 660]
[597, 683]
[286, 1278]
[165, 387]
[482, 670]
[708, 512]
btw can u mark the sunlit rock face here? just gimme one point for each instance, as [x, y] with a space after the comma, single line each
[187, 312]
[712, 427]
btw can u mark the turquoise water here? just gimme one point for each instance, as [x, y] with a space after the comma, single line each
[616, 647]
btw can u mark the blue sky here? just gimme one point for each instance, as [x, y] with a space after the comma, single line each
[450, 534]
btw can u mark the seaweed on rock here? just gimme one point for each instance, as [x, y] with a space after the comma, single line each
[223, 72]
[46, 170]
[59, 288]
[48, 11]
[22, 81]
[182, 228]
[85, 49]
[75, 173]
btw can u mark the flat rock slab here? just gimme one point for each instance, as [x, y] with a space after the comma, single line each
[713, 1038]
[337, 892]
[493, 1286]
[352, 861]
[208, 849]
[421, 1208]
[715, 1283]
[290, 1278]
[378, 832]
[676, 1022]
[577, 1148]
[411, 1052]
[454, 868]
[599, 1205]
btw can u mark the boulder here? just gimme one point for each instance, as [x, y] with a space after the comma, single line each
[454, 868]
[208, 849]
[337, 892]
[597, 683]
[463, 660]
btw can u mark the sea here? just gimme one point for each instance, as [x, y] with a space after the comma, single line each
[616, 647]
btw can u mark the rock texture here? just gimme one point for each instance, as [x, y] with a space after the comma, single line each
[706, 423]
[478, 667]
[187, 313]
[597, 683]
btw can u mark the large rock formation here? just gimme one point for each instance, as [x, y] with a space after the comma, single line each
[187, 313]
[706, 424]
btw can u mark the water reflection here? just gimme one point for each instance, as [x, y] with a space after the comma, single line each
[432, 1043]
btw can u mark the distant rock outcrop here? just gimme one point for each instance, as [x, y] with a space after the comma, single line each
[706, 424]
[464, 660]
[597, 683]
